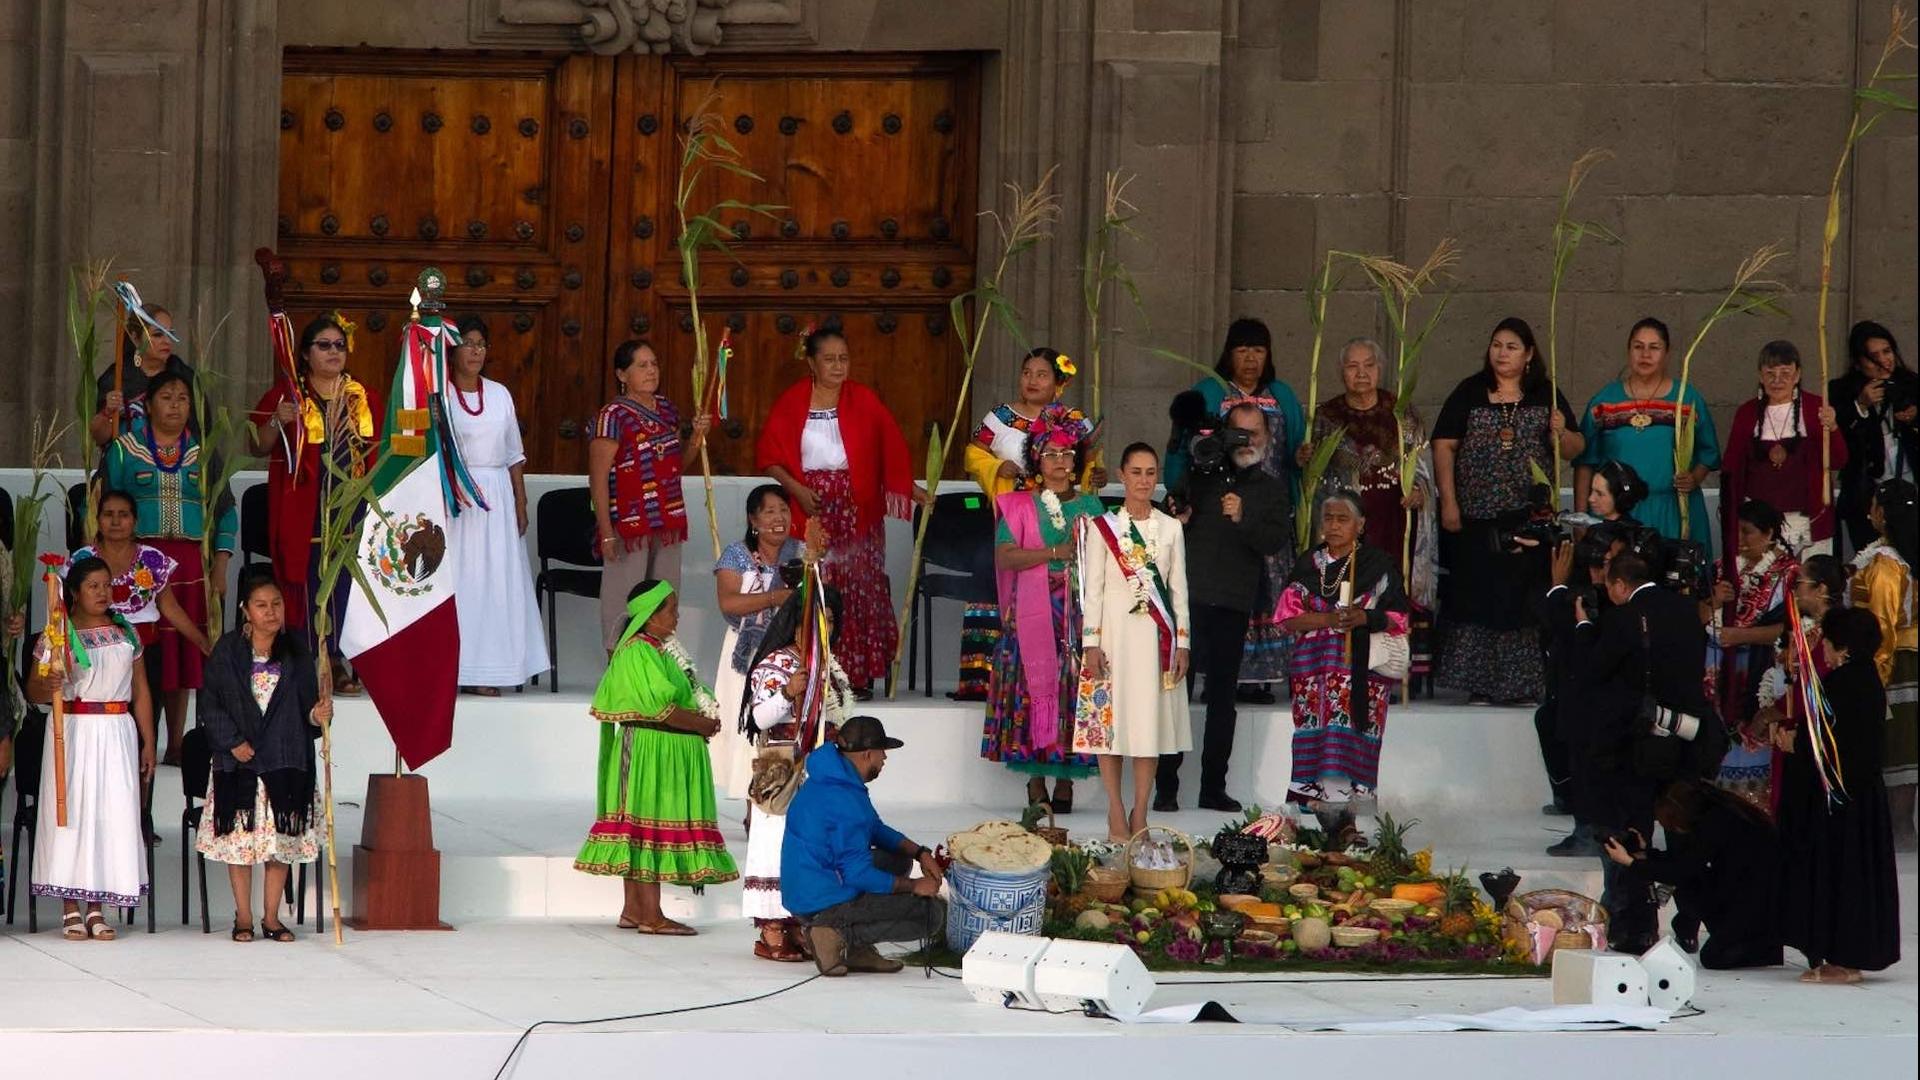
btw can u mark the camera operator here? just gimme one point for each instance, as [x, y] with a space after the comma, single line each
[1579, 573]
[1641, 679]
[1875, 406]
[1235, 516]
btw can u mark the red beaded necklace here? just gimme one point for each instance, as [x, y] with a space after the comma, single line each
[461, 396]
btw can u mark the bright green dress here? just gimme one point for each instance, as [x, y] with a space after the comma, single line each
[655, 819]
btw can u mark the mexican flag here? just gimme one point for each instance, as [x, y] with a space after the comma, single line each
[401, 630]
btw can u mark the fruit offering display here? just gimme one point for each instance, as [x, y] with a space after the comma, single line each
[1342, 903]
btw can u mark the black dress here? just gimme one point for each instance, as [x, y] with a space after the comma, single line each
[1839, 889]
[1489, 639]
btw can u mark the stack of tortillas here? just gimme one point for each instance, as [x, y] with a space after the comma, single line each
[1000, 847]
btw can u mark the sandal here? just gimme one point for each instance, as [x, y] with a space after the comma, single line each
[71, 928]
[481, 691]
[98, 929]
[783, 953]
[242, 934]
[1062, 801]
[276, 933]
[347, 686]
[667, 928]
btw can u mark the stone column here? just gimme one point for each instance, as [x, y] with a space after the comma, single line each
[152, 144]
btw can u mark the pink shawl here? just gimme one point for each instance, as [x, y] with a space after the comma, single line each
[1026, 592]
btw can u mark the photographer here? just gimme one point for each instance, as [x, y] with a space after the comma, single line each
[1235, 514]
[1646, 707]
[1875, 406]
[1579, 573]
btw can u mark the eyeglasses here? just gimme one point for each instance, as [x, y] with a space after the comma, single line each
[330, 345]
[1067, 454]
[476, 346]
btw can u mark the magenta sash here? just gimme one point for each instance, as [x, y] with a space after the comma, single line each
[1026, 592]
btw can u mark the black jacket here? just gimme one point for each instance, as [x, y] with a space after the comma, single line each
[1866, 448]
[281, 736]
[1226, 561]
[1653, 641]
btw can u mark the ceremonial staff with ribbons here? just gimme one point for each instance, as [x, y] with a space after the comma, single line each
[54, 642]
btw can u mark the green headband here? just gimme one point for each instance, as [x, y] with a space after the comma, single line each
[642, 607]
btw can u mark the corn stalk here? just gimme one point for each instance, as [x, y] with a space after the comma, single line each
[1103, 268]
[86, 293]
[223, 447]
[1310, 476]
[1751, 293]
[1864, 118]
[1029, 222]
[1567, 234]
[703, 146]
[29, 512]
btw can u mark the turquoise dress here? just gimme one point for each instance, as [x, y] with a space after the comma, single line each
[1639, 432]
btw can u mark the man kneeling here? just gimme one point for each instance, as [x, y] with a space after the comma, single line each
[843, 872]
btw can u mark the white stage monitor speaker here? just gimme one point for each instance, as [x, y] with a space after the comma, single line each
[1073, 975]
[1585, 977]
[998, 969]
[1671, 976]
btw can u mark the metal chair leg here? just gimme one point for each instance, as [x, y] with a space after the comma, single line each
[13, 879]
[913, 649]
[153, 906]
[553, 653]
[299, 895]
[186, 883]
[926, 628]
[206, 924]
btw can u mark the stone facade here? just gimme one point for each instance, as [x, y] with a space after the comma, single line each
[1259, 133]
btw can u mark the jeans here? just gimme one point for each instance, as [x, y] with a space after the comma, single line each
[1219, 641]
[871, 918]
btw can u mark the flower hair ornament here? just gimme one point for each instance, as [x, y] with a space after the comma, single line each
[1064, 369]
[807, 331]
[347, 328]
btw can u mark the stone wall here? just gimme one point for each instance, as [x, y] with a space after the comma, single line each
[1259, 132]
[1379, 125]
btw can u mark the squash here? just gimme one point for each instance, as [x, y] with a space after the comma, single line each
[1260, 910]
[1425, 893]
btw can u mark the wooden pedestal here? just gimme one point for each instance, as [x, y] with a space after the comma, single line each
[396, 871]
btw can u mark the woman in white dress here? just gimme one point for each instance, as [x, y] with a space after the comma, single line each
[748, 585]
[98, 857]
[777, 680]
[1133, 595]
[500, 641]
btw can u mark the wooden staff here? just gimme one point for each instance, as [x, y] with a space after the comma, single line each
[56, 642]
[324, 670]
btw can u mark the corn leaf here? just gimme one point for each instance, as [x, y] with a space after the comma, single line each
[1310, 477]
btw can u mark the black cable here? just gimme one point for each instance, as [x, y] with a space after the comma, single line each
[531, 1028]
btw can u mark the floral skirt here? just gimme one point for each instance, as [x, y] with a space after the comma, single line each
[262, 843]
[856, 564]
[1009, 704]
[1327, 736]
[1264, 657]
[1503, 665]
[655, 819]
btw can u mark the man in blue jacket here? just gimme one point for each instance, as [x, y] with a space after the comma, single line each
[843, 872]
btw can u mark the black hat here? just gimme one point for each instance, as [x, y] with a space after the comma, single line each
[866, 733]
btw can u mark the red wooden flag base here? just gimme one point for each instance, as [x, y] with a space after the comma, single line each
[396, 871]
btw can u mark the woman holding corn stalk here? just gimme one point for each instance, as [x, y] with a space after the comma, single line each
[1245, 373]
[160, 465]
[833, 444]
[1374, 445]
[329, 414]
[997, 460]
[1633, 419]
[123, 389]
[1773, 456]
[1497, 431]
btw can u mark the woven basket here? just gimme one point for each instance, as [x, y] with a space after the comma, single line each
[1106, 884]
[1514, 931]
[1150, 881]
[1050, 832]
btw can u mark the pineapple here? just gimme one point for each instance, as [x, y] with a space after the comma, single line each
[1390, 861]
[1459, 903]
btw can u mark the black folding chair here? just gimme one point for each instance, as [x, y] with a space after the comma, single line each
[28, 743]
[77, 517]
[565, 520]
[195, 766]
[961, 548]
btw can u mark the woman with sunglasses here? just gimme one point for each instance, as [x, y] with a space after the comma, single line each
[326, 411]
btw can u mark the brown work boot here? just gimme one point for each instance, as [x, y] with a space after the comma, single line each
[829, 949]
[867, 960]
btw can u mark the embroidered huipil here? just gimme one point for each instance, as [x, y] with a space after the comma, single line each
[168, 498]
[645, 482]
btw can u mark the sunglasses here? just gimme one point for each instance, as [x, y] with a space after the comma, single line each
[330, 345]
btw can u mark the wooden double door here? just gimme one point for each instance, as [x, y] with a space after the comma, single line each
[543, 187]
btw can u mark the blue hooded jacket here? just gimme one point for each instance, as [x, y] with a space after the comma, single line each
[832, 829]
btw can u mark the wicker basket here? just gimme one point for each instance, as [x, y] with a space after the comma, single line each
[1514, 931]
[1151, 881]
[1050, 832]
[1106, 884]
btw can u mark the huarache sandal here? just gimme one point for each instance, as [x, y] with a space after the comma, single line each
[97, 927]
[242, 934]
[783, 953]
[347, 686]
[667, 928]
[70, 927]
[1062, 801]
[276, 933]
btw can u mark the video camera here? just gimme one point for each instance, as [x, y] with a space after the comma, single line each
[1212, 453]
